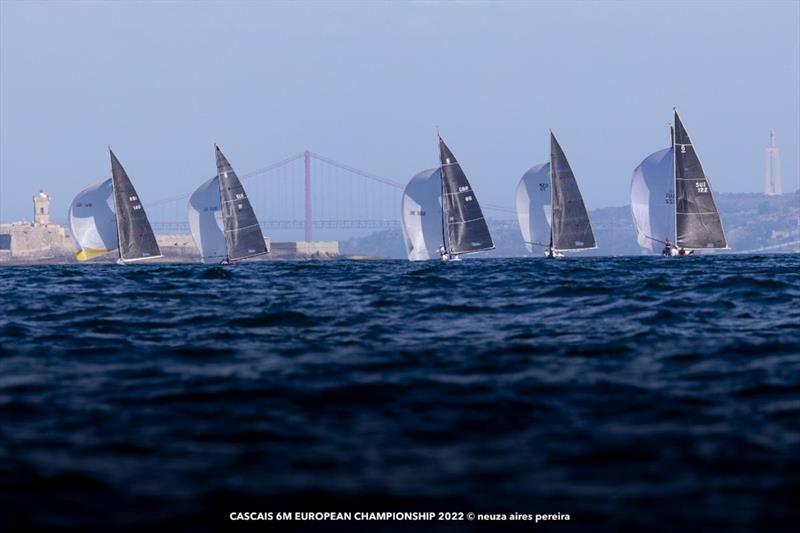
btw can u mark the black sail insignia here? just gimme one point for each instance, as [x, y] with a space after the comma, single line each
[697, 221]
[243, 235]
[465, 225]
[136, 238]
[571, 228]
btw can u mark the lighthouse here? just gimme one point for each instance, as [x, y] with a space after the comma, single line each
[41, 209]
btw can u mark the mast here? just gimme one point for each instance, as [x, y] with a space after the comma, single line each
[552, 211]
[674, 180]
[116, 209]
[441, 181]
[227, 259]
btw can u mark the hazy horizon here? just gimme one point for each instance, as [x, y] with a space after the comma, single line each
[366, 84]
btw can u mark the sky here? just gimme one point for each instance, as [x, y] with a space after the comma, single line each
[367, 83]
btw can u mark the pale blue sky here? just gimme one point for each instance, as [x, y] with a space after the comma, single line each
[366, 83]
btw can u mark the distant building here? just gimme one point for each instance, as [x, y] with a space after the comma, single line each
[41, 209]
[40, 240]
[772, 176]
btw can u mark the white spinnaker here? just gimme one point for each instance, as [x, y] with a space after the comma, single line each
[653, 200]
[93, 222]
[205, 221]
[534, 209]
[421, 215]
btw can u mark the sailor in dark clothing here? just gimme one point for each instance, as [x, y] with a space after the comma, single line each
[667, 248]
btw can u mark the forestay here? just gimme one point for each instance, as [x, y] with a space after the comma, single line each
[421, 215]
[534, 209]
[243, 235]
[92, 222]
[205, 222]
[136, 238]
[571, 228]
[697, 220]
[466, 227]
[653, 200]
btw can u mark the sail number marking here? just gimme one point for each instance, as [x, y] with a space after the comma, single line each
[135, 206]
[543, 186]
[463, 188]
[701, 186]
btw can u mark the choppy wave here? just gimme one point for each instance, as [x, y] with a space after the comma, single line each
[628, 392]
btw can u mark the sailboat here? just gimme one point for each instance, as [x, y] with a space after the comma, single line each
[221, 218]
[550, 208]
[109, 217]
[441, 215]
[672, 204]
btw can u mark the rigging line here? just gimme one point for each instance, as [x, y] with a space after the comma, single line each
[659, 240]
[169, 200]
[356, 171]
[494, 207]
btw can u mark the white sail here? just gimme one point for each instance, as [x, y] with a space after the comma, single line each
[422, 215]
[534, 208]
[653, 200]
[92, 221]
[205, 221]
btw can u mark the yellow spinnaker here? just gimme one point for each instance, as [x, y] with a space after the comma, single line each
[89, 253]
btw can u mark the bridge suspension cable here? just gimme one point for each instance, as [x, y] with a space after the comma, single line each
[355, 205]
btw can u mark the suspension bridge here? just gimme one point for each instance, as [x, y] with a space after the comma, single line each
[309, 193]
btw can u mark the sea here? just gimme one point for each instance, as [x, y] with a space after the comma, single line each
[625, 393]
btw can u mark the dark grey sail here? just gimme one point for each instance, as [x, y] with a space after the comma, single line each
[466, 228]
[136, 238]
[571, 228]
[697, 222]
[243, 235]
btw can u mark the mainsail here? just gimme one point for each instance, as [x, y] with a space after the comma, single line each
[653, 200]
[466, 227]
[421, 215]
[533, 206]
[697, 222]
[205, 222]
[92, 222]
[136, 238]
[571, 229]
[243, 235]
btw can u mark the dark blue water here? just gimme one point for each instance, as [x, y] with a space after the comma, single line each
[636, 392]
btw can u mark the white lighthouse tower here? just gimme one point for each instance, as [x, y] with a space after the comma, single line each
[41, 209]
[772, 176]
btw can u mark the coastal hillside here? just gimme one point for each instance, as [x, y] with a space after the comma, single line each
[752, 222]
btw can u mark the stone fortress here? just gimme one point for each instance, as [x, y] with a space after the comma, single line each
[40, 240]
[45, 241]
